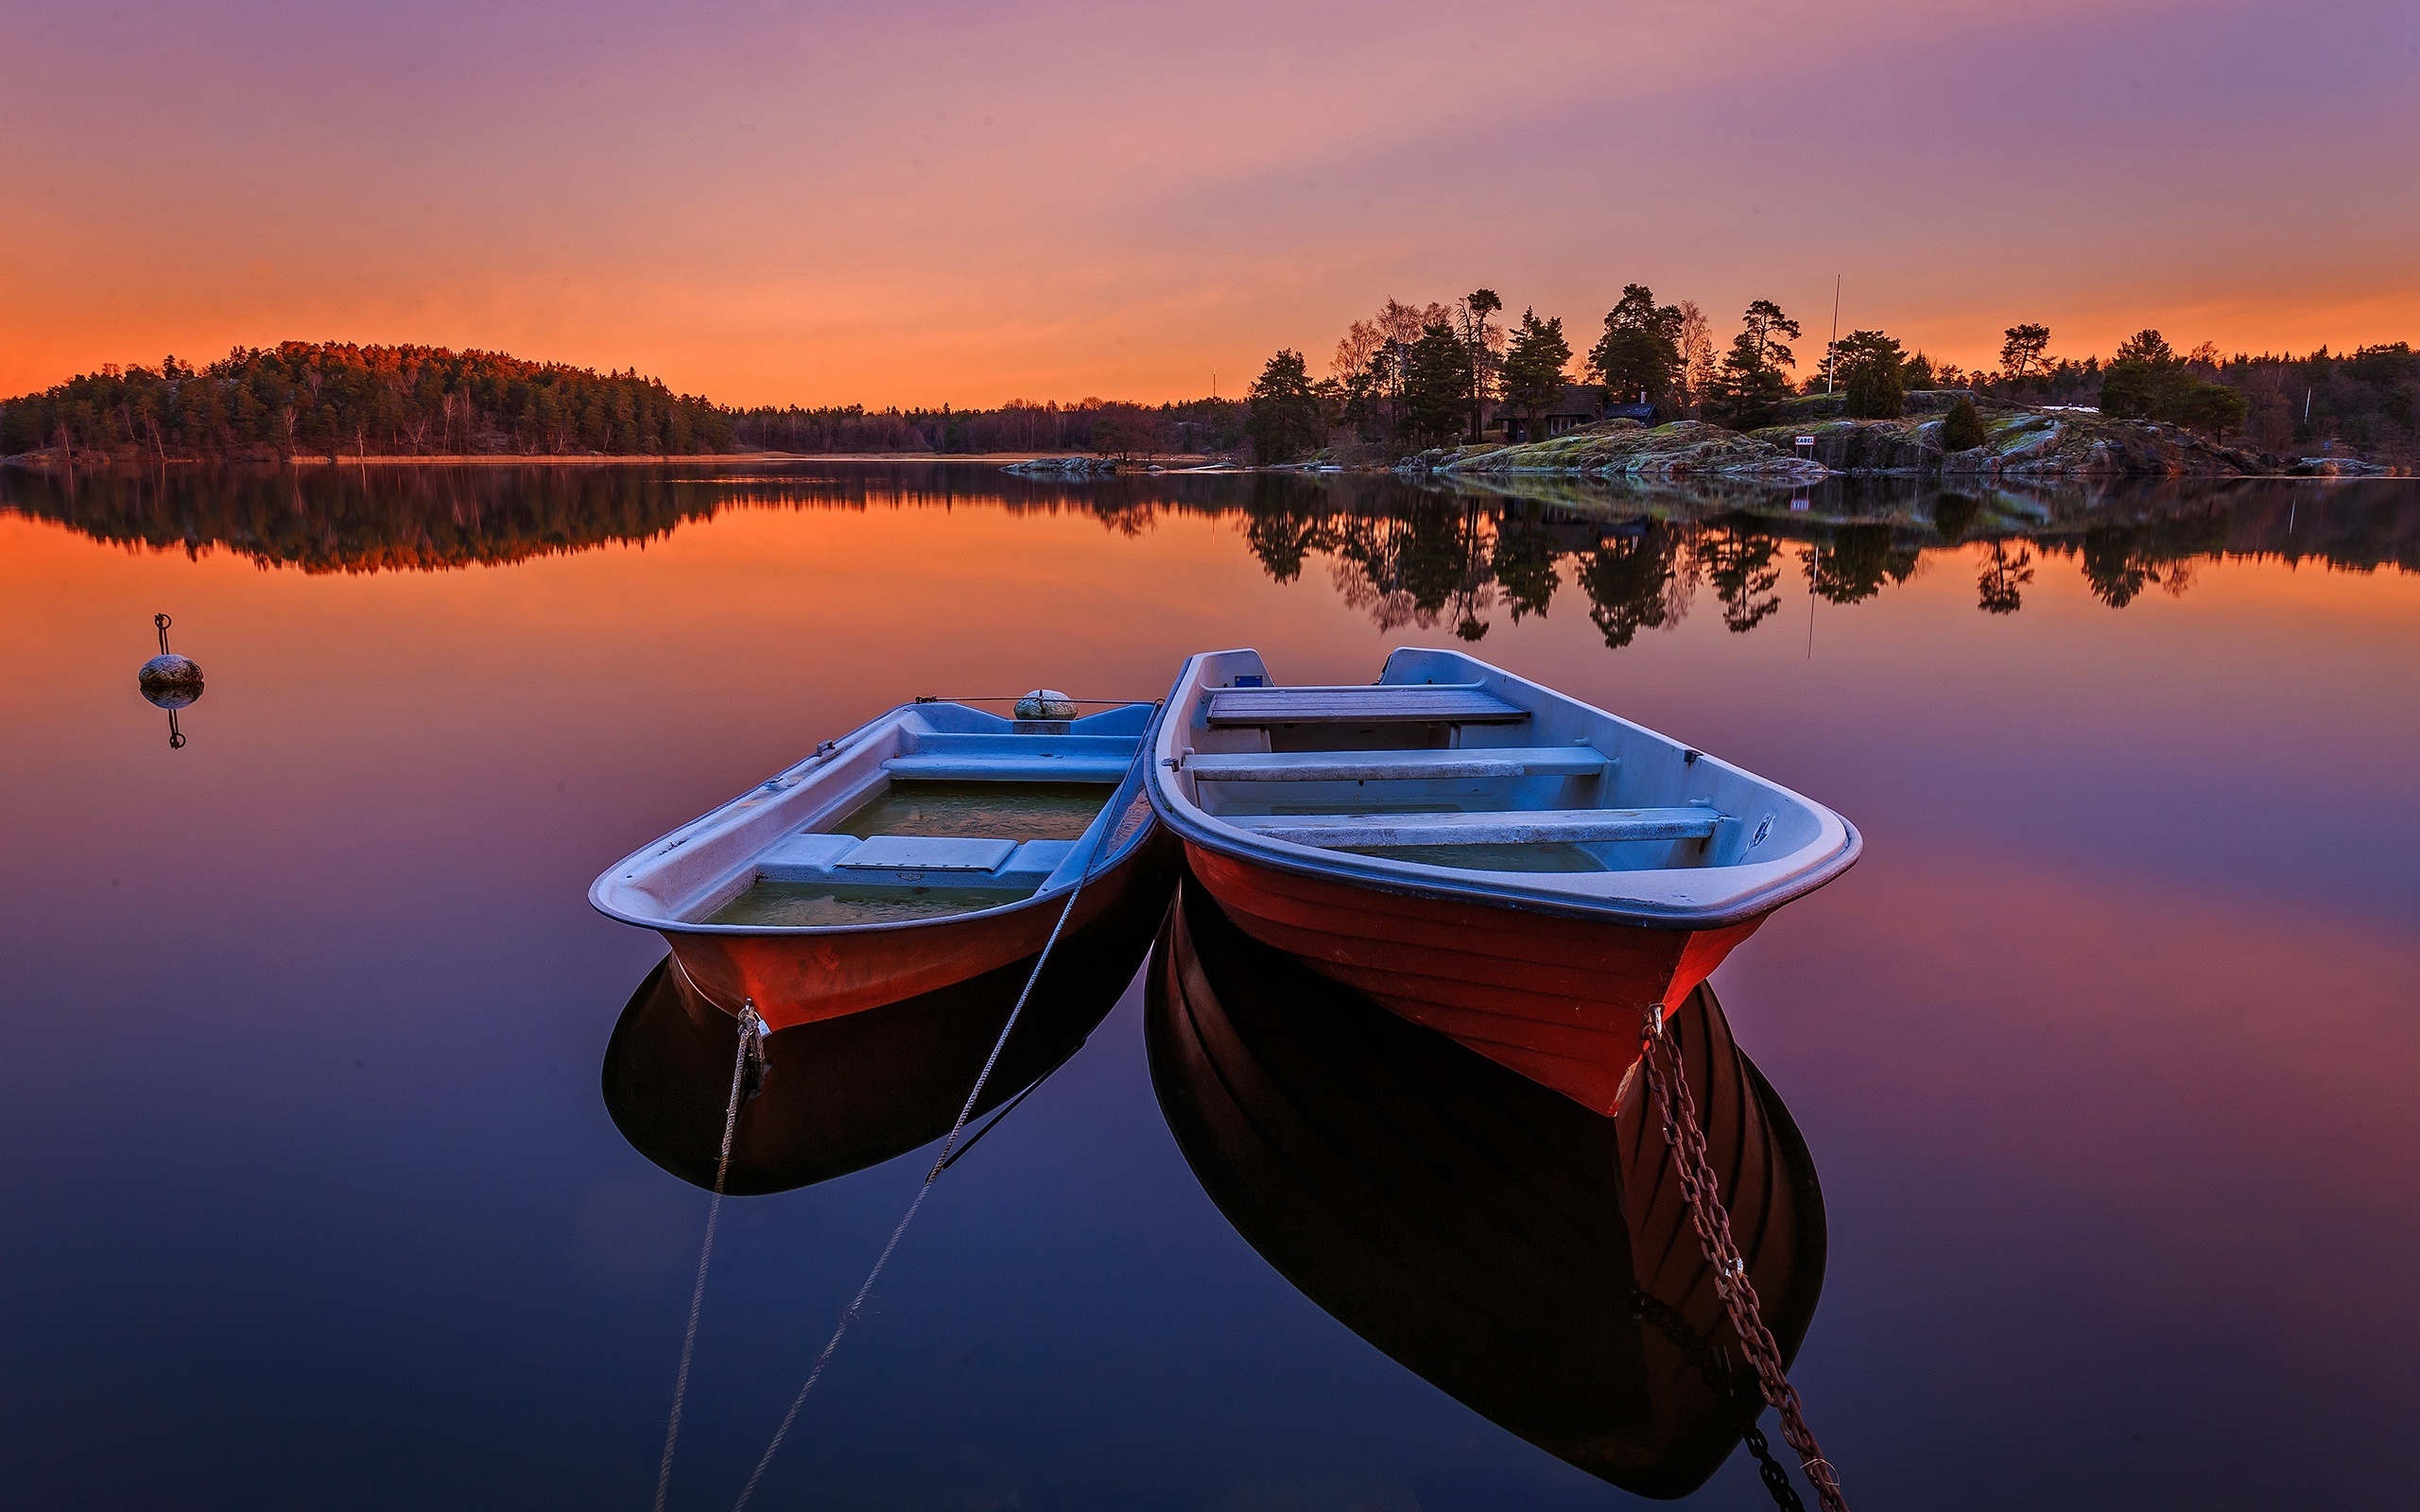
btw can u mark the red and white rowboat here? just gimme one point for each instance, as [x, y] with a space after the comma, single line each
[1481, 855]
[925, 849]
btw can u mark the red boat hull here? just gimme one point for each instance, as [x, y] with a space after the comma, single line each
[1556, 998]
[796, 979]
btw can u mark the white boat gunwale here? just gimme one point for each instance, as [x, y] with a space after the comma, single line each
[1683, 897]
[610, 893]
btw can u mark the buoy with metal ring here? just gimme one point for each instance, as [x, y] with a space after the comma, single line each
[169, 680]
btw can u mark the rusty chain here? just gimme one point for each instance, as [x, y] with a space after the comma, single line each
[1678, 1113]
[1716, 1369]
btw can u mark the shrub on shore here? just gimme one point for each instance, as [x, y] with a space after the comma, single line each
[1962, 430]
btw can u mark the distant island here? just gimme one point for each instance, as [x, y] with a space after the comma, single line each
[1440, 387]
[334, 399]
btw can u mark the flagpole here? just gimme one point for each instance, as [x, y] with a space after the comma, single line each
[1832, 354]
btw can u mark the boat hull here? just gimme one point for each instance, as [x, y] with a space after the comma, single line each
[1555, 997]
[798, 978]
[843, 1094]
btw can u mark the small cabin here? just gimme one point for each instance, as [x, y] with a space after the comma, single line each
[1579, 405]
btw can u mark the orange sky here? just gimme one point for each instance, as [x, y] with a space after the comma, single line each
[819, 204]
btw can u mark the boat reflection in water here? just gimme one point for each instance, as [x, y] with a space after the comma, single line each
[1527, 1257]
[841, 1094]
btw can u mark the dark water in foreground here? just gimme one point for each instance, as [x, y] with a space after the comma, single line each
[2105, 1053]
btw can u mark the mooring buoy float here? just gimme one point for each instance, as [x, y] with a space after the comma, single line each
[1045, 703]
[169, 681]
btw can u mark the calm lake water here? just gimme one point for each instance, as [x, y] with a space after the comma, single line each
[2105, 1053]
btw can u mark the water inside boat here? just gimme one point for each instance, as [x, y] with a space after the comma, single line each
[987, 811]
[807, 905]
[1016, 814]
[1552, 855]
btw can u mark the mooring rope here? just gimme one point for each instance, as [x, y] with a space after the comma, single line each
[1013, 697]
[856, 1304]
[1686, 1141]
[751, 1047]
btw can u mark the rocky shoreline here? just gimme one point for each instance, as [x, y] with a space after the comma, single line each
[2021, 442]
[1626, 449]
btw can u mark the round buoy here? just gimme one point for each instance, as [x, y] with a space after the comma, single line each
[169, 680]
[1045, 703]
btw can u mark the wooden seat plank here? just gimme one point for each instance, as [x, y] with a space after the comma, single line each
[924, 853]
[1378, 703]
[983, 768]
[1506, 827]
[1396, 765]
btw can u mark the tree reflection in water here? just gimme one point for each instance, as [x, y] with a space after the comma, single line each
[2005, 573]
[1524, 560]
[1430, 555]
[1428, 558]
[2119, 559]
[1741, 567]
[1628, 577]
[1424, 565]
[1857, 563]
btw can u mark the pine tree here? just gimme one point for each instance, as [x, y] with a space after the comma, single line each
[1640, 351]
[1285, 412]
[1533, 366]
[1869, 367]
[1751, 385]
[1437, 386]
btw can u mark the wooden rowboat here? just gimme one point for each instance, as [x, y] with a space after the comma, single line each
[1531, 1261]
[930, 847]
[1482, 854]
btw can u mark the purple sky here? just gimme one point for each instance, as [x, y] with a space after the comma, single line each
[819, 204]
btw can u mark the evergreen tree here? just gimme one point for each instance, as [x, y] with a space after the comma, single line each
[1751, 385]
[2149, 347]
[1437, 383]
[2022, 349]
[1869, 366]
[1640, 351]
[1533, 366]
[1285, 411]
[2130, 390]
[1481, 337]
[2211, 408]
[1963, 429]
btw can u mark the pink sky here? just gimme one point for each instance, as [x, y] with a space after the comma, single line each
[772, 202]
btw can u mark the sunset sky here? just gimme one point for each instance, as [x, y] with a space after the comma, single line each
[785, 202]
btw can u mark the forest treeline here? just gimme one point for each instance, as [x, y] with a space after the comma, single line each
[1106, 427]
[1414, 377]
[331, 398]
[323, 398]
[1407, 378]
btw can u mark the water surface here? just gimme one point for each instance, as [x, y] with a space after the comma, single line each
[2104, 1052]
